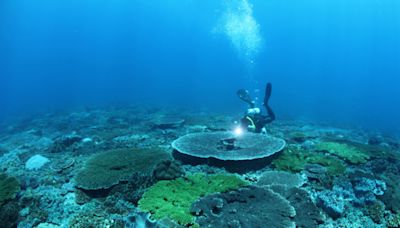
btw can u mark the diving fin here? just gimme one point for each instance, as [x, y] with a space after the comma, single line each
[245, 96]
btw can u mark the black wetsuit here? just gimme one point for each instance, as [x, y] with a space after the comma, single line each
[256, 122]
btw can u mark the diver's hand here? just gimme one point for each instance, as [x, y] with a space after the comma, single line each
[264, 131]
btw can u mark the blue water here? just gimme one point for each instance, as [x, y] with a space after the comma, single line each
[335, 61]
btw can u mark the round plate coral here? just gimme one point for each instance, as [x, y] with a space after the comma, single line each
[225, 145]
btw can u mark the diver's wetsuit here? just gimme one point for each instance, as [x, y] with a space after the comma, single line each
[256, 121]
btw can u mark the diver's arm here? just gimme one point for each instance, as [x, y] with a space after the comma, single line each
[245, 96]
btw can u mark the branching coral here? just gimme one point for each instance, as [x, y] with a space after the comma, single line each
[173, 198]
[294, 159]
[345, 151]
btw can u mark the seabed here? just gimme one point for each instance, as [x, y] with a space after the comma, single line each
[115, 167]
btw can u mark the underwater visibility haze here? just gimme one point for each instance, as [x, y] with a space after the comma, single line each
[328, 60]
[84, 83]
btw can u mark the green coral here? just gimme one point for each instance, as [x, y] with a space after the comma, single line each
[377, 151]
[392, 220]
[376, 211]
[294, 159]
[107, 169]
[9, 186]
[345, 151]
[173, 198]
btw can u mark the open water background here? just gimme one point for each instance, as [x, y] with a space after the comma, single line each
[335, 61]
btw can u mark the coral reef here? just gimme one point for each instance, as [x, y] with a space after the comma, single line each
[347, 152]
[353, 218]
[391, 197]
[392, 220]
[224, 145]
[376, 212]
[101, 175]
[280, 177]
[62, 143]
[49, 204]
[366, 190]
[359, 191]
[108, 168]
[60, 165]
[138, 220]
[375, 140]
[173, 198]
[316, 172]
[131, 140]
[300, 137]
[307, 213]
[167, 170]
[246, 207]
[9, 187]
[133, 188]
[295, 159]
[9, 215]
[332, 202]
[3, 151]
[168, 122]
[91, 220]
[36, 162]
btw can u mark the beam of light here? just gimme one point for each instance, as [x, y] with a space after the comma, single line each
[238, 131]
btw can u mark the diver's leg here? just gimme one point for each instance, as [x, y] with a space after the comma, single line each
[271, 114]
[268, 90]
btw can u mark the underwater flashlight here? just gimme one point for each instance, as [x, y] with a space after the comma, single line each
[238, 131]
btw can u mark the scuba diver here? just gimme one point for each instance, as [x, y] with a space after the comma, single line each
[253, 120]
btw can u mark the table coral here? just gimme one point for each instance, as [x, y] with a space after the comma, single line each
[246, 207]
[107, 169]
[226, 146]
